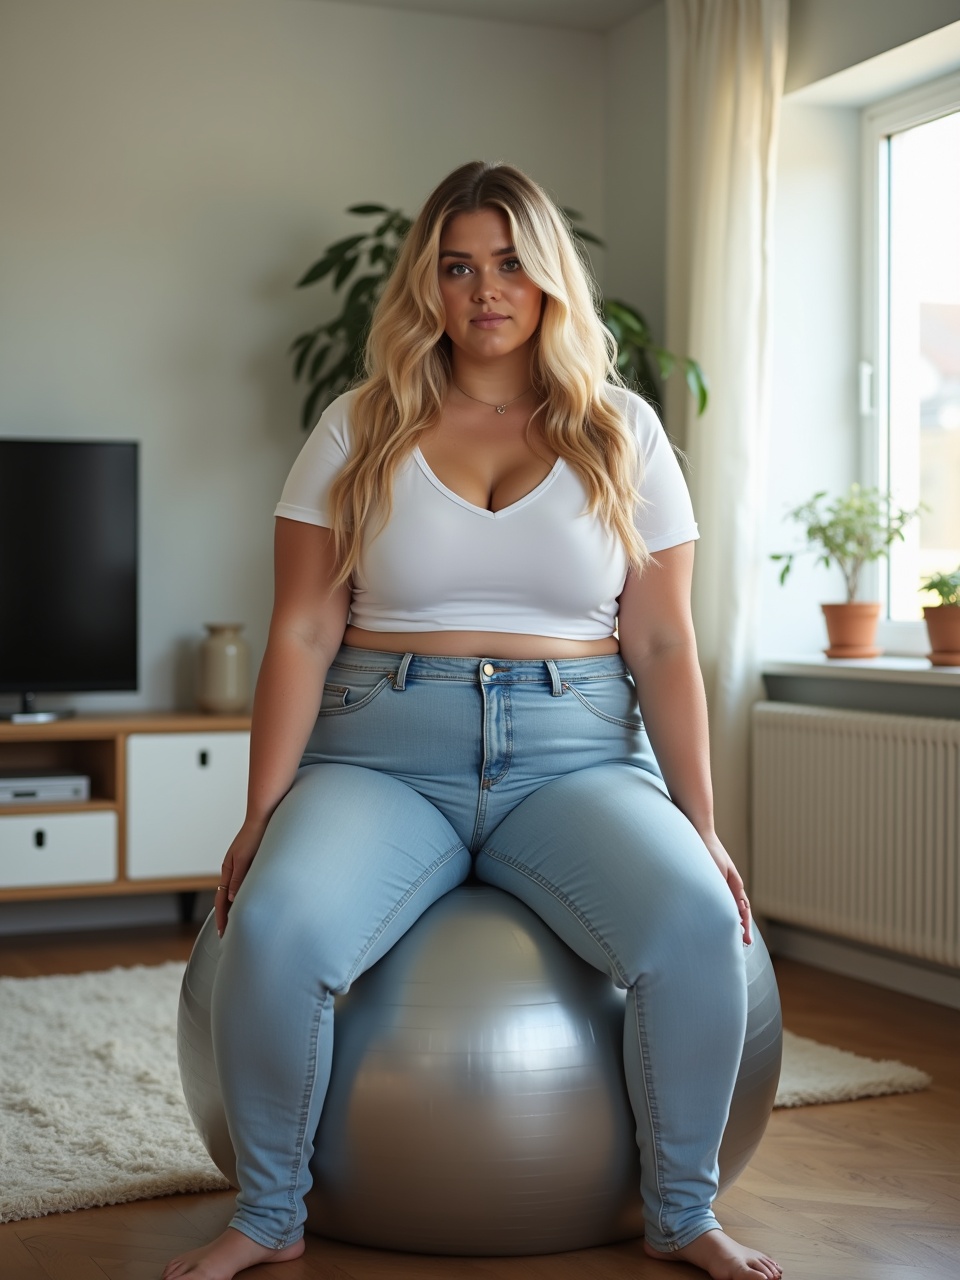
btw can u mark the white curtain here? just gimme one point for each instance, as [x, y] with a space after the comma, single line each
[726, 63]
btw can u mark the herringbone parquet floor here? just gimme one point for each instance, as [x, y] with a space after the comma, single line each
[865, 1190]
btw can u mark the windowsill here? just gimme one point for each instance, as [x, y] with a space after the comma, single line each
[898, 685]
[886, 668]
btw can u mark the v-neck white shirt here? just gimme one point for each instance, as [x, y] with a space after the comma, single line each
[483, 511]
[540, 566]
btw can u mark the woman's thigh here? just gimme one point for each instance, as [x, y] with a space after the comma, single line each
[350, 860]
[612, 866]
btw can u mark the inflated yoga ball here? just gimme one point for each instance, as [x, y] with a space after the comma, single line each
[477, 1103]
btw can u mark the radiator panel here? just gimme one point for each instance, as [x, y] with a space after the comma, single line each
[856, 826]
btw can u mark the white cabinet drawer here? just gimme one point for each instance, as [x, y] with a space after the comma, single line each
[186, 799]
[58, 848]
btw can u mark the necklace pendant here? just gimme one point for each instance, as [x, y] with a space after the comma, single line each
[501, 408]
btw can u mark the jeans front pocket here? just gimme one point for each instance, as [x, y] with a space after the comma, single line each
[333, 698]
[351, 690]
[612, 699]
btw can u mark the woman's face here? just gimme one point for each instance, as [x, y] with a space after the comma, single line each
[492, 308]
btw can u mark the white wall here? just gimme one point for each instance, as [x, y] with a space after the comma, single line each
[170, 168]
[636, 164]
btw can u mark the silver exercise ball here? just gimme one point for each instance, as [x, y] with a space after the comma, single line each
[477, 1103]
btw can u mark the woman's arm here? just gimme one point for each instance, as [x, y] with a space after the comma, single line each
[658, 644]
[306, 630]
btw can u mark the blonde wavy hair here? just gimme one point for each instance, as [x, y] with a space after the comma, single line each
[408, 364]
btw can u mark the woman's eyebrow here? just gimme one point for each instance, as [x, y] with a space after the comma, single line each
[459, 253]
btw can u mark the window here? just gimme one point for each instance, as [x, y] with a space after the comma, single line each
[912, 330]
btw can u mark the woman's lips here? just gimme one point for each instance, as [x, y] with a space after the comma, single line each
[489, 321]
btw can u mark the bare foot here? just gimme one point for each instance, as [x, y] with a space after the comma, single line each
[722, 1258]
[222, 1258]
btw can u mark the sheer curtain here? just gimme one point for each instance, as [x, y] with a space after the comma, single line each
[726, 63]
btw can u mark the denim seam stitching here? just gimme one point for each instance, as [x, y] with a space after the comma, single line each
[694, 1233]
[398, 906]
[602, 715]
[247, 1229]
[652, 1113]
[481, 818]
[356, 706]
[507, 737]
[578, 915]
[564, 901]
[441, 678]
[308, 1091]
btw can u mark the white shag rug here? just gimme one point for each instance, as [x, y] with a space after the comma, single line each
[814, 1072]
[91, 1110]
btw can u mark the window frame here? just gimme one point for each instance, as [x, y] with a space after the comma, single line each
[901, 111]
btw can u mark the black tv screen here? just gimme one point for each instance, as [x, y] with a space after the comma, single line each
[68, 565]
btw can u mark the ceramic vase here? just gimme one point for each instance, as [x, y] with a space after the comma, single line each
[224, 669]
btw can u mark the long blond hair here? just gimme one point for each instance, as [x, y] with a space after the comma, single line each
[408, 364]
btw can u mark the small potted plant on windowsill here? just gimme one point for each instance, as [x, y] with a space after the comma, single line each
[943, 619]
[850, 531]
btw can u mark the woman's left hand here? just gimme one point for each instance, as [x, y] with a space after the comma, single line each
[734, 882]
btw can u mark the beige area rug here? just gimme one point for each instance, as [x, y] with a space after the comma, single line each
[91, 1111]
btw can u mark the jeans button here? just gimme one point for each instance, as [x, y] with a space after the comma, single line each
[488, 668]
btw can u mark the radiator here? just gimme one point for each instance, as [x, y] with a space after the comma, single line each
[856, 826]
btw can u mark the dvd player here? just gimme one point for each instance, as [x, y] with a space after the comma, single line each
[43, 786]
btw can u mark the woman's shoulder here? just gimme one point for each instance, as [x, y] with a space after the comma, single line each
[331, 436]
[639, 414]
[338, 414]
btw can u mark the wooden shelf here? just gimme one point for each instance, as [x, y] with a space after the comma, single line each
[113, 889]
[99, 747]
[59, 806]
[109, 725]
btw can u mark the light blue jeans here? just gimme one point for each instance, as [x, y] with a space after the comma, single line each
[538, 777]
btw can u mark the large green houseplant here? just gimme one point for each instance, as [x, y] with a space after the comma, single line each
[329, 357]
[850, 531]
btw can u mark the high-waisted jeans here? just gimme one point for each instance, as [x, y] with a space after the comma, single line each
[539, 778]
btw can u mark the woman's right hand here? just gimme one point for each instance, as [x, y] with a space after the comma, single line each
[235, 866]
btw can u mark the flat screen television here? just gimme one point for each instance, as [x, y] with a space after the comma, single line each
[68, 568]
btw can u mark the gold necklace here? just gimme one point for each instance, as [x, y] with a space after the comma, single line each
[500, 408]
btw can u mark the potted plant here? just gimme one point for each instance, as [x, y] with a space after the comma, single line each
[329, 357]
[849, 532]
[943, 619]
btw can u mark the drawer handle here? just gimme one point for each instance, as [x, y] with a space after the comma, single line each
[204, 758]
[39, 839]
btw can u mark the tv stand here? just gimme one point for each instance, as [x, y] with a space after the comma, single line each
[28, 713]
[167, 796]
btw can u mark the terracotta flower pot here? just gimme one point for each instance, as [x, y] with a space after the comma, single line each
[852, 629]
[943, 628]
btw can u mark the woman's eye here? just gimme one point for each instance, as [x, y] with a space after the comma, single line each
[458, 269]
[512, 264]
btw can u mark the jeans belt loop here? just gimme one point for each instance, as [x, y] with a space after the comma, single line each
[556, 687]
[400, 679]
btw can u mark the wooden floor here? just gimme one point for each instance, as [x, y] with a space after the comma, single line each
[865, 1190]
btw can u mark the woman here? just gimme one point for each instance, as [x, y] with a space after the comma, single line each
[483, 557]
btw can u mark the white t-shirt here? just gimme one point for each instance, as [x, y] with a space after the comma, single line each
[541, 566]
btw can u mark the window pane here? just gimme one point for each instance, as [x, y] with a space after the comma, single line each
[924, 384]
